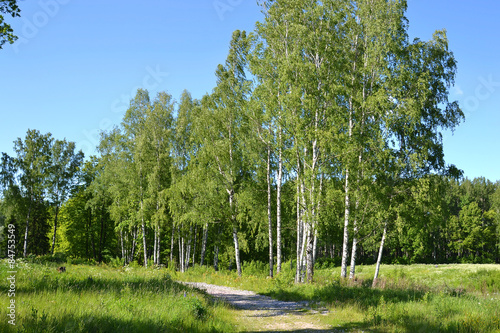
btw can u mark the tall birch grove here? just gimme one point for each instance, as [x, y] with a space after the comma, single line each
[319, 145]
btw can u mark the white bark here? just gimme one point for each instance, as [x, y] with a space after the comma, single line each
[122, 247]
[134, 242]
[345, 244]
[299, 228]
[188, 249]
[204, 244]
[278, 206]
[158, 246]
[155, 240]
[25, 249]
[354, 249]
[379, 259]
[269, 218]
[172, 239]
[235, 234]
[181, 251]
[194, 244]
[143, 226]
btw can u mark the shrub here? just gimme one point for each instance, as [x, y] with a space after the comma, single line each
[256, 268]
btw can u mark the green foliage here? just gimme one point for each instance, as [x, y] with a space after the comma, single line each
[327, 108]
[58, 258]
[10, 8]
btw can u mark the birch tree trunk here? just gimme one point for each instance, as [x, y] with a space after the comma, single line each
[237, 251]
[154, 245]
[55, 229]
[305, 234]
[194, 243]
[158, 246]
[309, 260]
[134, 242]
[216, 249]
[187, 256]
[299, 226]
[102, 235]
[235, 234]
[25, 249]
[345, 244]
[172, 244]
[379, 259]
[204, 244]
[278, 204]
[315, 245]
[122, 247]
[269, 218]
[143, 226]
[181, 251]
[354, 248]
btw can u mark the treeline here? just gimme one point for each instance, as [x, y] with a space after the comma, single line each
[321, 141]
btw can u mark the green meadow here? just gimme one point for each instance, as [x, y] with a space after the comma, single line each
[412, 298]
[107, 298]
[89, 298]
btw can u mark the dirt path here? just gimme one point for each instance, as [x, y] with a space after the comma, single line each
[262, 313]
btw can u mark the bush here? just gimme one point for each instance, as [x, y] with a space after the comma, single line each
[256, 268]
[325, 262]
[58, 258]
[195, 307]
[115, 262]
[81, 261]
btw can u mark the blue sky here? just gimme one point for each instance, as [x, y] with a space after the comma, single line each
[78, 63]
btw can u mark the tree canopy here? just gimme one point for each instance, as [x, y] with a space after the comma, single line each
[319, 144]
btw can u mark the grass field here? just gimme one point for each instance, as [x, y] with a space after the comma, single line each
[416, 298]
[104, 299]
[90, 298]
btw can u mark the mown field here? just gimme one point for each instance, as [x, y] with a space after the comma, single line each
[101, 298]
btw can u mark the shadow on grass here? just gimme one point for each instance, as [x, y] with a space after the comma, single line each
[61, 282]
[101, 323]
[341, 293]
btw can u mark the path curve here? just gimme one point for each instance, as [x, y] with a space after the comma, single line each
[249, 300]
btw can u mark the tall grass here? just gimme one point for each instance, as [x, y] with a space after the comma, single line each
[105, 299]
[415, 298]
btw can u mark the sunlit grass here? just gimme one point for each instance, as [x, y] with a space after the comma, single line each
[104, 299]
[415, 298]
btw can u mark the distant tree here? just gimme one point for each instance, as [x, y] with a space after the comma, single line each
[41, 175]
[32, 164]
[8, 7]
[64, 165]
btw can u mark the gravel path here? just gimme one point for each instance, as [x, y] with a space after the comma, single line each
[262, 313]
[249, 300]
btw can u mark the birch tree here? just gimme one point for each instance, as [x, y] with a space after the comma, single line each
[32, 163]
[224, 114]
[64, 164]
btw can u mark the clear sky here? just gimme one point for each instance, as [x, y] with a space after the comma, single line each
[78, 63]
